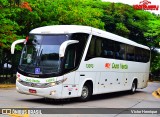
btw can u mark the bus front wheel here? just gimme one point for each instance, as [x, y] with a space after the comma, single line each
[86, 93]
[133, 88]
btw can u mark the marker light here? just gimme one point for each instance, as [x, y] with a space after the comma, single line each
[27, 38]
[18, 75]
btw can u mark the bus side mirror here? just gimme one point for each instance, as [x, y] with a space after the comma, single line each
[64, 46]
[15, 43]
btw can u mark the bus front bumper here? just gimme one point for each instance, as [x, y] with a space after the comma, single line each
[49, 92]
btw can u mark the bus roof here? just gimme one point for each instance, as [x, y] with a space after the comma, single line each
[67, 29]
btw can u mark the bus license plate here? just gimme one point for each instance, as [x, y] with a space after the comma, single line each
[32, 91]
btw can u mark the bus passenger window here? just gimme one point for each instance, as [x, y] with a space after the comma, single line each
[98, 47]
[95, 48]
[146, 55]
[130, 53]
[91, 50]
[138, 54]
[120, 49]
[108, 48]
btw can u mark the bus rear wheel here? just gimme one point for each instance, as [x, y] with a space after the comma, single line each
[86, 93]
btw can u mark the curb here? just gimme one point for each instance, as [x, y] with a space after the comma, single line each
[7, 86]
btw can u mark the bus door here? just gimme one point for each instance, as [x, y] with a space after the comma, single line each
[70, 72]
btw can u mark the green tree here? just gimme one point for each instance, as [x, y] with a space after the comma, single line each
[155, 64]
[68, 12]
[18, 17]
[8, 29]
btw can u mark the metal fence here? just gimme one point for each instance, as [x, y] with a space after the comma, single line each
[8, 65]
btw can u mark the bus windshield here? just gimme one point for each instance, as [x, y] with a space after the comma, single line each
[40, 55]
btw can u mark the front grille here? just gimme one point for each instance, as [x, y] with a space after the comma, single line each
[36, 85]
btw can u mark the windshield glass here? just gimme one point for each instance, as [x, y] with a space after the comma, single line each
[40, 55]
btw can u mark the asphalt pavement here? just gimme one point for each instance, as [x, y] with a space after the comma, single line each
[120, 104]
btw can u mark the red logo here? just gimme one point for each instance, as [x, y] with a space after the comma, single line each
[107, 65]
[145, 5]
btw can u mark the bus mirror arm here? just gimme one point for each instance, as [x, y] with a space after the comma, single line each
[15, 43]
[64, 46]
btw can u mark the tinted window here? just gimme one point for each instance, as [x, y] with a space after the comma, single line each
[95, 48]
[42, 52]
[130, 53]
[82, 38]
[120, 49]
[101, 47]
[46, 39]
[138, 54]
[142, 55]
[70, 57]
[54, 40]
[108, 48]
[146, 54]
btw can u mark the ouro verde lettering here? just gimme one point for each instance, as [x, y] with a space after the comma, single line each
[115, 66]
[32, 80]
[124, 66]
[89, 66]
[119, 66]
[50, 80]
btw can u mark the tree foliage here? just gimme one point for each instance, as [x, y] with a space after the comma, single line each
[18, 17]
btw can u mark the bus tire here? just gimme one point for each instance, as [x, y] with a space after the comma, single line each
[86, 93]
[133, 88]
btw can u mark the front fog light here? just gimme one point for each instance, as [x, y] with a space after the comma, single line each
[52, 92]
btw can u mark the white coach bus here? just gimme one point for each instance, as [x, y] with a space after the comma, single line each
[65, 61]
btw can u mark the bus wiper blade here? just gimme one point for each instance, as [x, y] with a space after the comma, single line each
[39, 58]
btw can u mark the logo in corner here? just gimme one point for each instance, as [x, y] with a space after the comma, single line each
[145, 5]
[107, 65]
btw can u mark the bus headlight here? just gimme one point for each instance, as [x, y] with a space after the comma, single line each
[52, 84]
[58, 82]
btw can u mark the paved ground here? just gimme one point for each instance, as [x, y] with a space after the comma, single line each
[10, 98]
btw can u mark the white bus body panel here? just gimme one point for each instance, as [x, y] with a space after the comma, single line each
[114, 79]
[43, 92]
[104, 79]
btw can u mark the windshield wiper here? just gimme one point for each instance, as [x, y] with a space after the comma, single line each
[39, 58]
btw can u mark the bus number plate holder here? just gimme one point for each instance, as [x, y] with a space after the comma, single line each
[32, 91]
